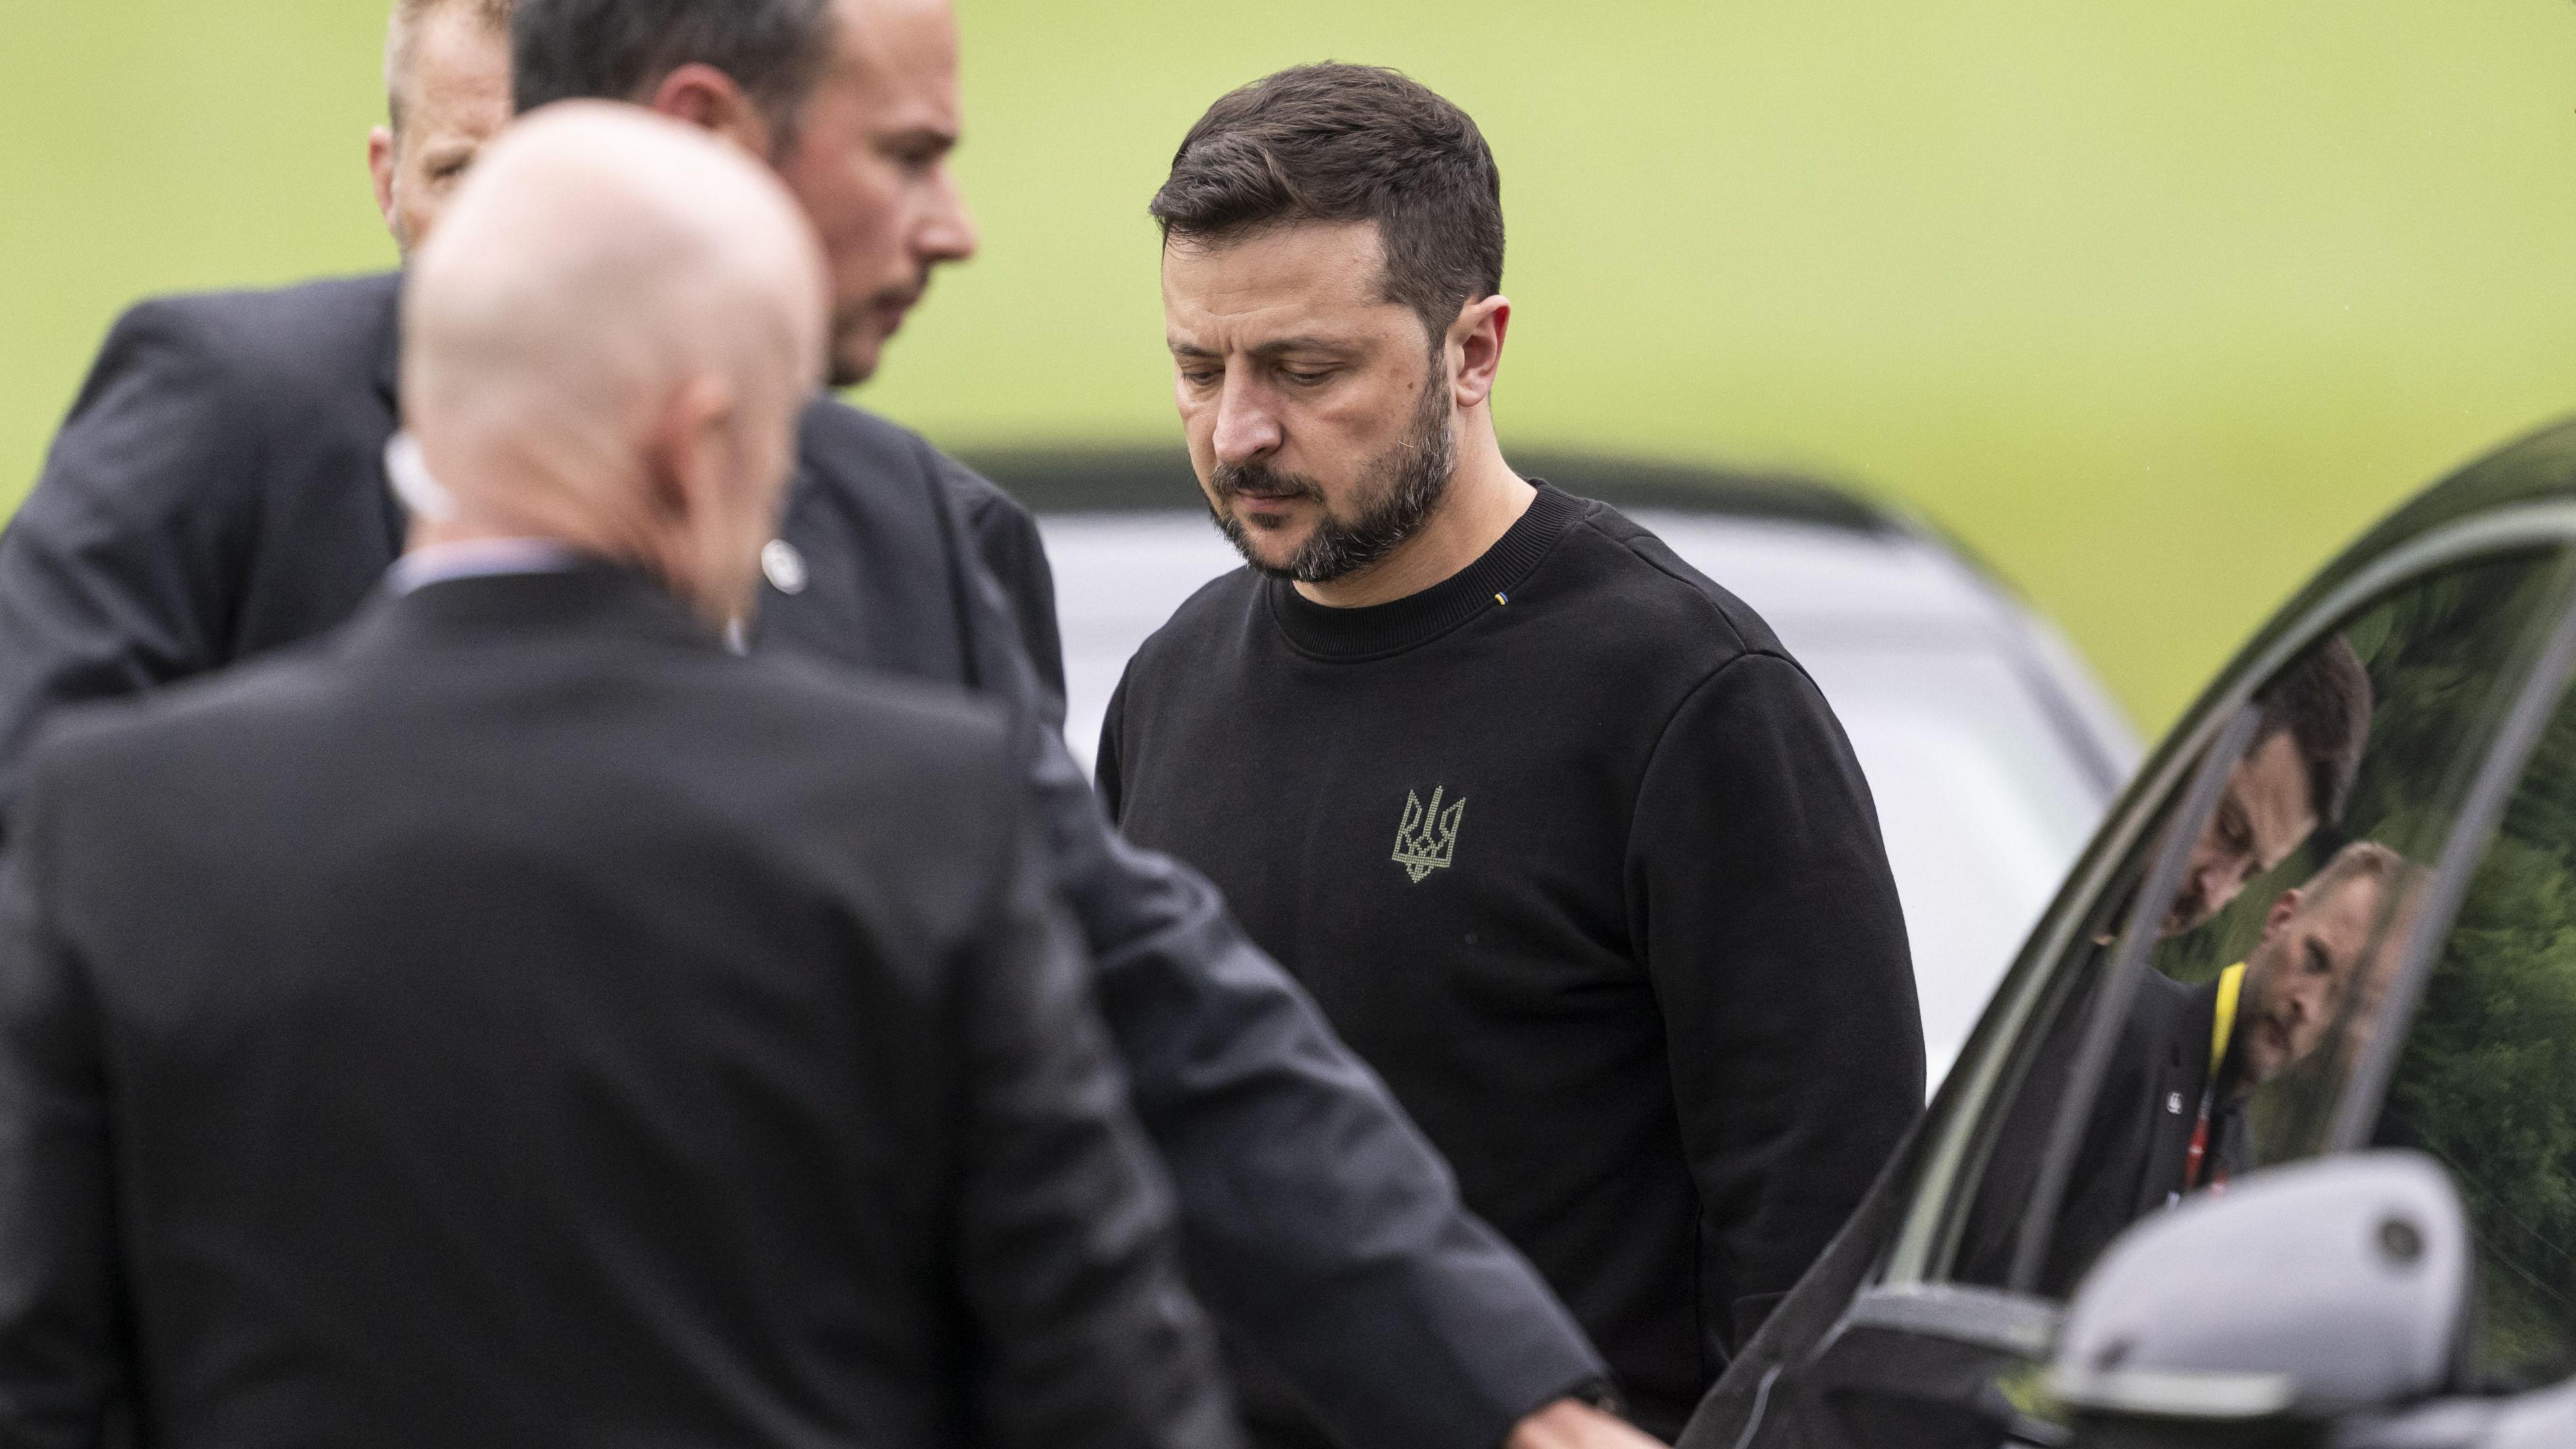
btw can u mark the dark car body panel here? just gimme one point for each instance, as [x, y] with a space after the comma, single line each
[1852, 1358]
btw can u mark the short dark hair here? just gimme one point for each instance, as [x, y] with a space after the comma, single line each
[619, 50]
[2323, 702]
[1340, 143]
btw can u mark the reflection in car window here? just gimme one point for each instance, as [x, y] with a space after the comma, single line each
[2487, 1080]
[2267, 959]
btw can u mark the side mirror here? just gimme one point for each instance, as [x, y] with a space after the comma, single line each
[2302, 1294]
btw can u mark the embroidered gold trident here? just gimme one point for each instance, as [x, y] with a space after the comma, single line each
[1428, 839]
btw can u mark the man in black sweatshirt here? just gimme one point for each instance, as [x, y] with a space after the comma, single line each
[1561, 839]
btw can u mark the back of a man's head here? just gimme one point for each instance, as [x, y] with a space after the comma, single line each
[618, 50]
[607, 341]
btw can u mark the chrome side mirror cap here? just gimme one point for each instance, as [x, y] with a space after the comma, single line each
[2304, 1293]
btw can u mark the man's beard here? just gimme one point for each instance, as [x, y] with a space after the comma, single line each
[1400, 489]
[853, 331]
[2188, 913]
[846, 336]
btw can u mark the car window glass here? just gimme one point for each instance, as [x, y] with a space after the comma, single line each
[2486, 1082]
[2266, 959]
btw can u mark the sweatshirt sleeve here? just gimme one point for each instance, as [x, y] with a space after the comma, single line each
[1760, 890]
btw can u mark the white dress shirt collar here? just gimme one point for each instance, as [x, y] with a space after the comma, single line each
[480, 558]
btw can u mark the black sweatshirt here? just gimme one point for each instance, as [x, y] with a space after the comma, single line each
[1575, 855]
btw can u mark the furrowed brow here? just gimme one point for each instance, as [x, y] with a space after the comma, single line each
[1303, 344]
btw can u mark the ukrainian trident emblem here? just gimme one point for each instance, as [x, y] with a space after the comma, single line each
[1428, 838]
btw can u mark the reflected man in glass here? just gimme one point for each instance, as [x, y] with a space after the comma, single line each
[2297, 774]
[2172, 1115]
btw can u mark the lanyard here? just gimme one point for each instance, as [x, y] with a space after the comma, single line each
[2231, 983]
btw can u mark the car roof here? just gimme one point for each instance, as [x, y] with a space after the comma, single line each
[2538, 468]
[1119, 479]
[1827, 565]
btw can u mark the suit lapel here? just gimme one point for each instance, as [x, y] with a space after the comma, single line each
[2182, 1071]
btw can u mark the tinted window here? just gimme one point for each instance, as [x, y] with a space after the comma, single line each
[2487, 1080]
[2266, 907]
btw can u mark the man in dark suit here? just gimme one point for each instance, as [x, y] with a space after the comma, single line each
[518, 1020]
[219, 492]
[2168, 1118]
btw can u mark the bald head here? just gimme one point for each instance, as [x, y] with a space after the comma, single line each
[607, 341]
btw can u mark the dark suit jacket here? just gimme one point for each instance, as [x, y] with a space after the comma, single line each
[2133, 1155]
[519, 1021]
[2130, 1162]
[219, 491]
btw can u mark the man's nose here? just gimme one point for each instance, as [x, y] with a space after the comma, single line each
[1246, 427]
[948, 232]
[2300, 1004]
[2204, 889]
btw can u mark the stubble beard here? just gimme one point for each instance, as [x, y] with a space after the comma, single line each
[845, 365]
[1404, 487]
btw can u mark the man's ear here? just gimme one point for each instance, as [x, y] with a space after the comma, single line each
[685, 471]
[2283, 910]
[381, 156]
[707, 98]
[693, 450]
[1475, 344]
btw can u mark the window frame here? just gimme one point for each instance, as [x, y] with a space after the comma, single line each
[1971, 1106]
[2122, 977]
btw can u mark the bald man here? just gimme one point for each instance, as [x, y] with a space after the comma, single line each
[519, 1020]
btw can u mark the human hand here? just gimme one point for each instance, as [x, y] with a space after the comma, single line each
[1573, 1424]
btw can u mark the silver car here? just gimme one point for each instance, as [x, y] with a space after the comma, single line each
[1991, 749]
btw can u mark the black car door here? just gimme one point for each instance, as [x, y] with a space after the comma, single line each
[2171, 1026]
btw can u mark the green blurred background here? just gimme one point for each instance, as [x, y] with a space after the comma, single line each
[2153, 304]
